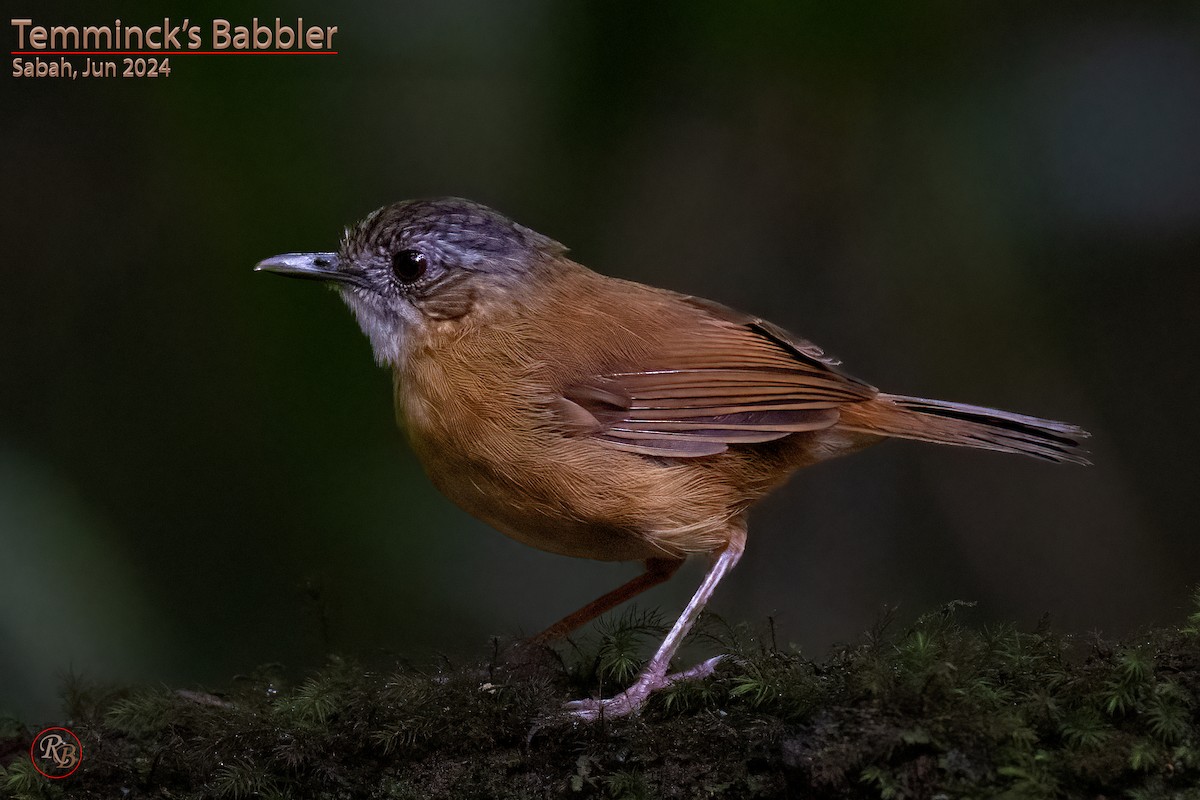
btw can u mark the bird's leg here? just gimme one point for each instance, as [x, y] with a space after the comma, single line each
[657, 571]
[654, 676]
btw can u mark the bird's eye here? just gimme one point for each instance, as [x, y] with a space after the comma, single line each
[409, 265]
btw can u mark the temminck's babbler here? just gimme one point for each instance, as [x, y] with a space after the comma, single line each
[605, 419]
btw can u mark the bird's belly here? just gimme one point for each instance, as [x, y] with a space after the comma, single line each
[515, 505]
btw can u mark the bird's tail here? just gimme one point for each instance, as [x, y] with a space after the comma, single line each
[943, 422]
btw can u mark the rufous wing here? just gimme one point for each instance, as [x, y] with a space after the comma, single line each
[729, 379]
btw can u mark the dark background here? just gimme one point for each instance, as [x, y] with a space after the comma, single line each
[199, 470]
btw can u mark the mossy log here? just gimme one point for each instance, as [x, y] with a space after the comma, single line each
[938, 709]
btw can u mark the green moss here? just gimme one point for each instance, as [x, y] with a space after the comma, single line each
[939, 708]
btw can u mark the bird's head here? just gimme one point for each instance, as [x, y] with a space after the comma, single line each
[420, 261]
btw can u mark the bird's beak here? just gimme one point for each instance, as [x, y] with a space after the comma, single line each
[310, 266]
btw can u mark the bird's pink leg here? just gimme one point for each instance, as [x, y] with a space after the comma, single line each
[654, 676]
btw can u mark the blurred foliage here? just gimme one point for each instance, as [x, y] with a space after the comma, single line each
[940, 709]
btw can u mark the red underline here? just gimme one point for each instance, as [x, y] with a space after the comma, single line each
[173, 53]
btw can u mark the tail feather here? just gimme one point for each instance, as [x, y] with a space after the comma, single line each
[943, 422]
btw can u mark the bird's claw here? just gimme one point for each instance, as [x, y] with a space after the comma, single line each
[632, 699]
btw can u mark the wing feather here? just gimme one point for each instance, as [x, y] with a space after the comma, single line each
[735, 380]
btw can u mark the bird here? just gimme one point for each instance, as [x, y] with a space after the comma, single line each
[607, 419]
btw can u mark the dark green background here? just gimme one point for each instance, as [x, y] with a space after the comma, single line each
[199, 470]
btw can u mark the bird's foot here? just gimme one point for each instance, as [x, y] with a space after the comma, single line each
[632, 699]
